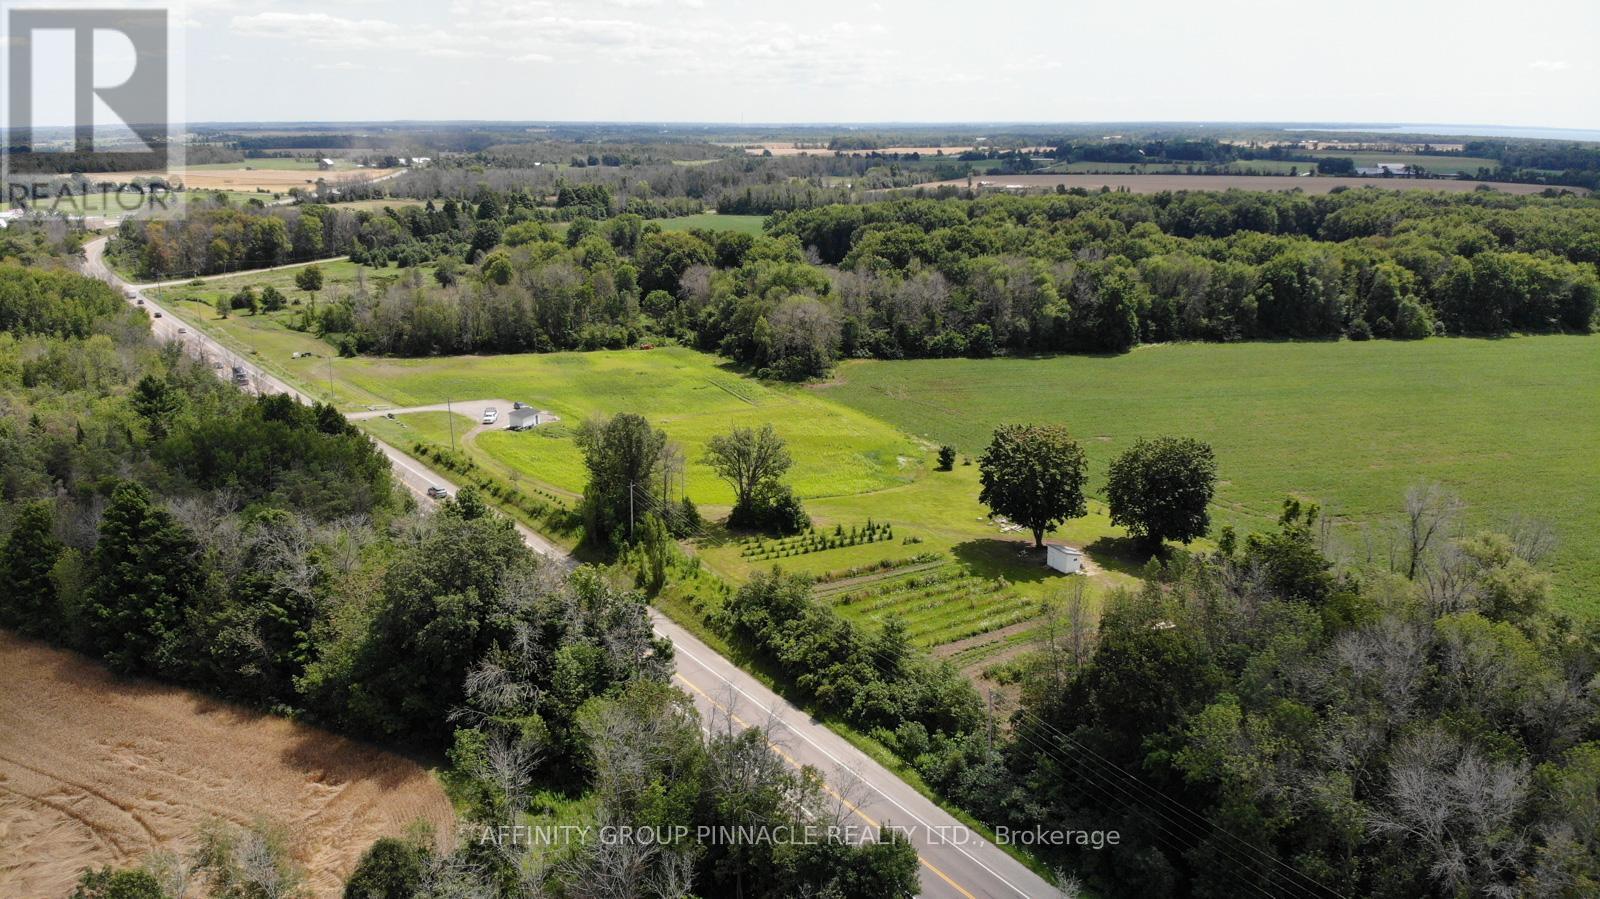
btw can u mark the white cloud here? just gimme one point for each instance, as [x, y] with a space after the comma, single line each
[1550, 65]
[329, 32]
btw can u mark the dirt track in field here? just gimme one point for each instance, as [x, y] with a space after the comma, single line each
[1149, 184]
[96, 769]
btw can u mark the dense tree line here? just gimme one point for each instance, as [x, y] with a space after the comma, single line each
[1530, 161]
[656, 186]
[1102, 273]
[922, 277]
[913, 278]
[39, 241]
[215, 237]
[57, 303]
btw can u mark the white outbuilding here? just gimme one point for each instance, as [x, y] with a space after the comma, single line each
[1063, 558]
[523, 418]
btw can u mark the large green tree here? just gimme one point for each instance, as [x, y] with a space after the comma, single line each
[747, 458]
[1033, 475]
[1160, 489]
[664, 256]
[622, 454]
[146, 580]
[29, 553]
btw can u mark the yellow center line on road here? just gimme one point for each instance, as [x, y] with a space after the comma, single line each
[830, 790]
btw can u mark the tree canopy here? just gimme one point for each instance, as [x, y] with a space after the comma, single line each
[1033, 475]
[1161, 489]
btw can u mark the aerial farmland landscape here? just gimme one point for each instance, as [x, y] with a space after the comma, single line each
[655, 450]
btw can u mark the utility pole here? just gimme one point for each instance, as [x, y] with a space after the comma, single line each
[331, 397]
[989, 729]
[451, 415]
[630, 511]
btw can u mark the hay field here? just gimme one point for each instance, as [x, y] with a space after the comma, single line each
[96, 770]
[1149, 184]
[1510, 424]
[249, 180]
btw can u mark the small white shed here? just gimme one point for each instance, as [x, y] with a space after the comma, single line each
[1063, 558]
[523, 418]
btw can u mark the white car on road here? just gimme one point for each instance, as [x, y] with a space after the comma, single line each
[491, 415]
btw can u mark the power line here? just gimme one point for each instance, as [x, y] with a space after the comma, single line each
[1195, 819]
[1139, 796]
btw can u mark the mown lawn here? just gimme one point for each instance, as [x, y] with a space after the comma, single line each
[689, 395]
[1513, 425]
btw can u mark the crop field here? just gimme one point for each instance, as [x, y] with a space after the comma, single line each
[235, 176]
[1149, 184]
[711, 221]
[1507, 423]
[97, 770]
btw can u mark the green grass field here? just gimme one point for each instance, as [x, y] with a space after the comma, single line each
[377, 205]
[1267, 166]
[1441, 165]
[851, 467]
[685, 393]
[711, 221]
[1512, 424]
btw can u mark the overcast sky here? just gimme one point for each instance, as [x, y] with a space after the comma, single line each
[1528, 63]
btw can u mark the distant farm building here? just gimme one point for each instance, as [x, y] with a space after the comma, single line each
[325, 164]
[1387, 170]
[1063, 558]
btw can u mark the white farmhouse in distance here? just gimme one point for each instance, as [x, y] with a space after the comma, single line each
[1063, 558]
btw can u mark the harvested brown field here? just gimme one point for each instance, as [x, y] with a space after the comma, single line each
[1149, 184]
[95, 769]
[271, 180]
